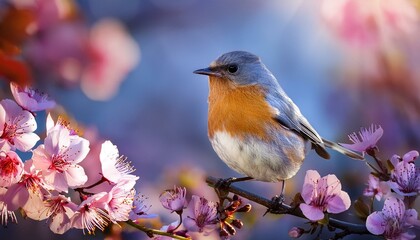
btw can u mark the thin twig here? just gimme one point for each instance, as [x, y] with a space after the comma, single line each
[151, 232]
[286, 209]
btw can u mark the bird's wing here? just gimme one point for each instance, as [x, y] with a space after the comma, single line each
[289, 115]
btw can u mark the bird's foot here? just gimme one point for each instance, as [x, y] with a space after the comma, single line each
[221, 187]
[226, 182]
[275, 205]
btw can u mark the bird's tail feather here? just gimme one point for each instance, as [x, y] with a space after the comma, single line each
[342, 150]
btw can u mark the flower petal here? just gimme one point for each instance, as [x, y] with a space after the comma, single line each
[311, 180]
[311, 212]
[75, 176]
[375, 223]
[108, 157]
[339, 203]
[60, 223]
[79, 148]
[190, 225]
[24, 142]
[394, 208]
[410, 156]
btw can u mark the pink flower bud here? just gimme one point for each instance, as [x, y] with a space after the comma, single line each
[295, 232]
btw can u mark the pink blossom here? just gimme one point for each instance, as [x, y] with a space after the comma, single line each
[376, 188]
[405, 177]
[368, 24]
[11, 168]
[113, 165]
[140, 209]
[49, 57]
[28, 193]
[89, 215]
[202, 217]
[59, 156]
[393, 221]
[322, 194]
[17, 127]
[113, 54]
[118, 202]
[174, 199]
[60, 210]
[30, 99]
[47, 13]
[366, 140]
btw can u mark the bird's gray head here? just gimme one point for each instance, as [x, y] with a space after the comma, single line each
[240, 67]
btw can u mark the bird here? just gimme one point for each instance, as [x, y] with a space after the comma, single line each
[254, 126]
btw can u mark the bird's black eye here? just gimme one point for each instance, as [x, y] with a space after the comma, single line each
[232, 68]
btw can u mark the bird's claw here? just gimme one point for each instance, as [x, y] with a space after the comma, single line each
[224, 182]
[275, 205]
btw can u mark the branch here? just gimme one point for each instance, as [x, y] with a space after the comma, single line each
[151, 232]
[286, 209]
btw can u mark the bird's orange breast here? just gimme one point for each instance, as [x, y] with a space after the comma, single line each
[239, 110]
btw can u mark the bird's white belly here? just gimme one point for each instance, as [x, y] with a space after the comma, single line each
[270, 162]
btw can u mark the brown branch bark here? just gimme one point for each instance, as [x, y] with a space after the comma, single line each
[347, 227]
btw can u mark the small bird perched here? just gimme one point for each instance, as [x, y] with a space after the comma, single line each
[253, 126]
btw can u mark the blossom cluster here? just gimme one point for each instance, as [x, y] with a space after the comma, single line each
[397, 181]
[52, 183]
[203, 216]
[97, 58]
[322, 195]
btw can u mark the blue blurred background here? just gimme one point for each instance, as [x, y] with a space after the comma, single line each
[158, 116]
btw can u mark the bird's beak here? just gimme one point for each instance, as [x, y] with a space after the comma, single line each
[208, 71]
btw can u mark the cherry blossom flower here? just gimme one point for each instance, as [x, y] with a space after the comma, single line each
[113, 165]
[370, 23]
[140, 209]
[60, 210]
[322, 194]
[17, 127]
[366, 140]
[113, 54]
[376, 188]
[118, 202]
[11, 168]
[393, 221]
[48, 56]
[174, 199]
[405, 177]
[202, 217]
[89, 215]
[59, 156]
[28, 193]
[30, 99]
